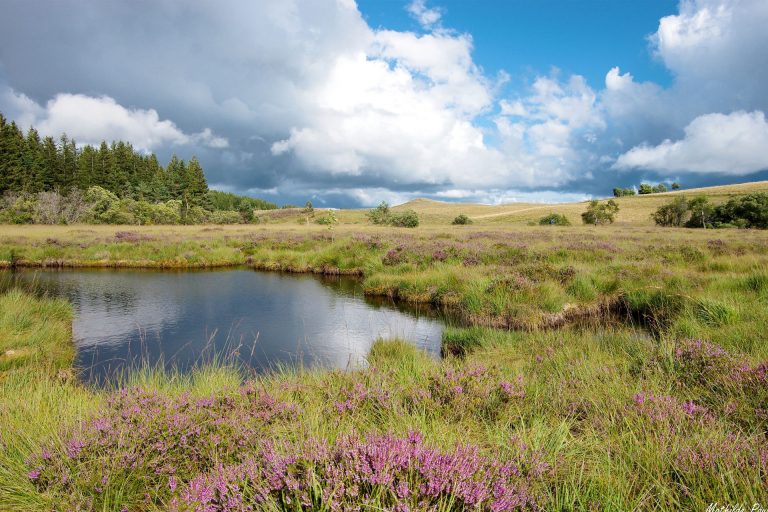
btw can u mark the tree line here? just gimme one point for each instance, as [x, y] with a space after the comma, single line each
[35, 168]
[747, 211]
[643, 189]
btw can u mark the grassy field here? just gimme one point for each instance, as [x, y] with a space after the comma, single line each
[635, 210]
[629, 372]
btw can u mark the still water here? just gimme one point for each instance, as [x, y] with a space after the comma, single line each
[260, 319]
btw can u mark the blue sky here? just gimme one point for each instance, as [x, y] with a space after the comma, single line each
[349, 103]
[526, 38]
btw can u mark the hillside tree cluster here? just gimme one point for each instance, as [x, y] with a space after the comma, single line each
[44, 180]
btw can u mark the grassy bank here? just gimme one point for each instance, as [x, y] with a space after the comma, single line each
[559, 420]
[520, 277]
[635, 377]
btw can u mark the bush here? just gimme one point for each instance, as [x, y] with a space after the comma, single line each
[674, 213]
[461, 220]
[749, 211]
[104, 205]
[167, 213]
[224, 217]
[329, 219]
[17, 208]
[598, 214]
[701, 212]
[622, 192]
[554, 219]
[380, 214]
[406, 219]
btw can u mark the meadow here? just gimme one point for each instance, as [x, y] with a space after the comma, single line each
[619, 367]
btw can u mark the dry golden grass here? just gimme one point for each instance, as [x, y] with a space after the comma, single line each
[634, 210]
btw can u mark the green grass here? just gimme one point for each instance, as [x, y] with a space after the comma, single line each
[577, 416]
[33, 332]
[599, 317]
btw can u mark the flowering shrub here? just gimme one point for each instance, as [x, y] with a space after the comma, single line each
[699, 361]
[380, 472]
[472, 390]
[152, 440]
[724, 380]
[721, 455]
[669, 410]
[392, 257]
[359, 396]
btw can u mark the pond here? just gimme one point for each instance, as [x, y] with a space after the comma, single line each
[264, 320]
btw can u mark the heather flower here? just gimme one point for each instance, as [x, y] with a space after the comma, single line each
[668, 410]
[401, 473]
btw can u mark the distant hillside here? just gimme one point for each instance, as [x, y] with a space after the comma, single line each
[634, 209]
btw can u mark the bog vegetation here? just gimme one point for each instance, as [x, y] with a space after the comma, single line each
[611, 368]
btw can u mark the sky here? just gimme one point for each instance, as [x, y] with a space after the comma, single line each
[350, 103]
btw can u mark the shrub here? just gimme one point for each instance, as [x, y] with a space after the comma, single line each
[224, 217]
[54, 208]
[17, 208]
[380, 214]
[405, 219]
[461, 220]
[105, 206]
[749, 211]
[167, 213]
[329, 219]
[674, 213]
[600, 213]
[701, 212]
[554, 219]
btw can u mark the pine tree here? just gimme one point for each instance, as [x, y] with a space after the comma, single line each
[34, 162]
[68, 162]
[50, 154]
[87, 161]
[4, 181]
[12, 148]
[104, 167]
[197, 186]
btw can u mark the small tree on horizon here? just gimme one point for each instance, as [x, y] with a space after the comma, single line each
[380, 214]
[308, 210]
[598, 214]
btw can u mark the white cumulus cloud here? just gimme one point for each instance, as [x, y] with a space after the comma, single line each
[734, 144]
[89, 120]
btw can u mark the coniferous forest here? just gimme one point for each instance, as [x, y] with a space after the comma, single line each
[49, 181]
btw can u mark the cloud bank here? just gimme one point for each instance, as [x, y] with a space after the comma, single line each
[303, 99]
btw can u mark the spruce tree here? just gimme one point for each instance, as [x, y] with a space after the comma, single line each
[50, 164]
[12, 148]
[34, 162]
[197, 186]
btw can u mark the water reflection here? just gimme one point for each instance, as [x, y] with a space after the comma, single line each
[262, 319]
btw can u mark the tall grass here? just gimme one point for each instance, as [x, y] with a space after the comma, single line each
[661, 407]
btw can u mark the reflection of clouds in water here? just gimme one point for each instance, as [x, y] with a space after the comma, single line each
[277, 318]
[331, 328]
[105, 316]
